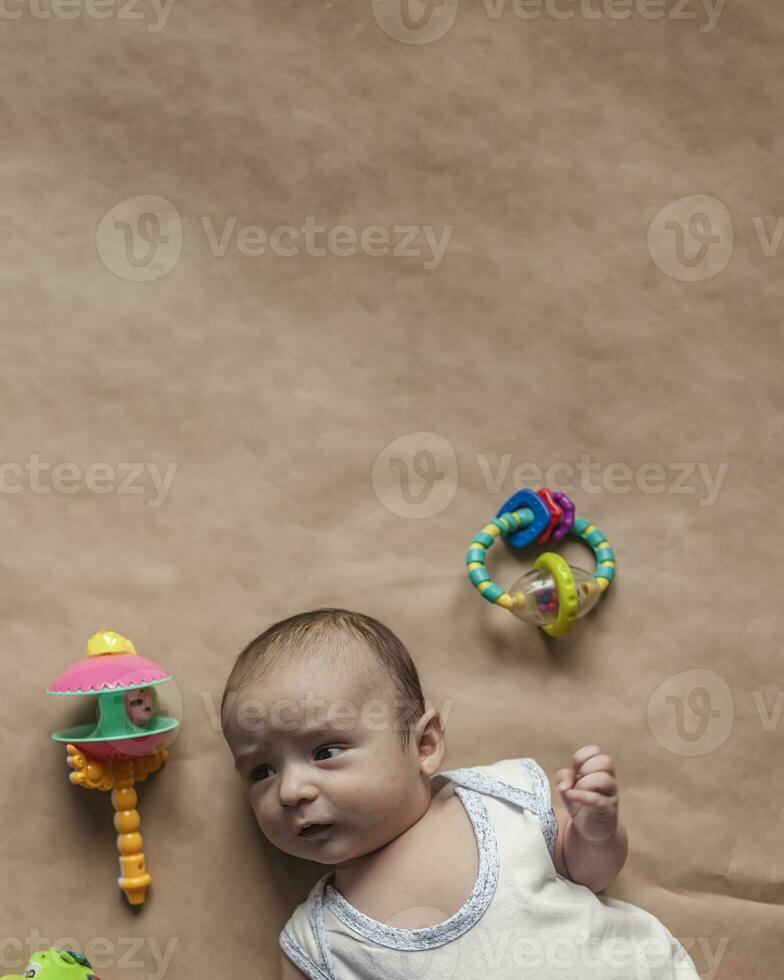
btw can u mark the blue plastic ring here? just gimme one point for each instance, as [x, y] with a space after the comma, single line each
[542, 517]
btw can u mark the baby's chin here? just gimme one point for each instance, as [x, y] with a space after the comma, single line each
[322, 853]
[329, 850]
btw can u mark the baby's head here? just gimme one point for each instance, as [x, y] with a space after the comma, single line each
[322, 682]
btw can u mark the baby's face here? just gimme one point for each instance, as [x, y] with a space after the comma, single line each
[311, 747]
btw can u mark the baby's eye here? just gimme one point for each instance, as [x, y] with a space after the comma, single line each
[256, 774]
[329, 748]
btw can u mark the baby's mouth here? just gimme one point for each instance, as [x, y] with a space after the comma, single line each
[314, 829]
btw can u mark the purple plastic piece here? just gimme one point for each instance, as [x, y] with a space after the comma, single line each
[567, 521]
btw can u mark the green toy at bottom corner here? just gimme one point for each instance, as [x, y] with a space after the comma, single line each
[56, 964]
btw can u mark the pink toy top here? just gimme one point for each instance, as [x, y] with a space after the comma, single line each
[108, 673]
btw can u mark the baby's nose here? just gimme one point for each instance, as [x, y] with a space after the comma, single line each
[295, 789]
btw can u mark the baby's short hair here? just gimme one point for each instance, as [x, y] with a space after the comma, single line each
[313, 633]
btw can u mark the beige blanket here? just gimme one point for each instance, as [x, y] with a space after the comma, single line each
[296, 295]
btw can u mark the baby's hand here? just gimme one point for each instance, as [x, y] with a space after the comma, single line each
[590, 792]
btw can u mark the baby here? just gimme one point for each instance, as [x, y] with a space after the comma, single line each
[469, 873]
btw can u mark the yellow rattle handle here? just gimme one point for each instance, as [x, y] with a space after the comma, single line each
[134, 878]
[120, 777]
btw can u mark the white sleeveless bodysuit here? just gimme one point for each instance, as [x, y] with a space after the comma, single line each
[522, 919]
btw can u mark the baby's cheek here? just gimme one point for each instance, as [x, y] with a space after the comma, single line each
[265, 824]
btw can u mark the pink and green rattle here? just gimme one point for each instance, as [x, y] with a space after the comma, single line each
[554, 595]
[124, 745]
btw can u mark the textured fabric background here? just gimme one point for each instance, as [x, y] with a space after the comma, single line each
[332, 428]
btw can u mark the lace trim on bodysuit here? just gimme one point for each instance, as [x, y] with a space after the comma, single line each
[465, 917]
[539, 802]
[326, 969]
[544, 811]
[316, 919]
[301, 960]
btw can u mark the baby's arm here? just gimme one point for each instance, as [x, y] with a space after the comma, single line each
[288, 971]
[592, 844]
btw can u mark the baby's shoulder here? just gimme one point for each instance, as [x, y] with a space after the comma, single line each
[521, 782]
[523, 774]
[428, 873]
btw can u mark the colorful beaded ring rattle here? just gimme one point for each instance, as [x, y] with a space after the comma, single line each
[124, 745]
[554, 595]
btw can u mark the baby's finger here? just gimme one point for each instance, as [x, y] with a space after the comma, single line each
[581, 756]
[573, 806]
[564, 778]
[598, 763]
[596, 801]
[599, 782]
